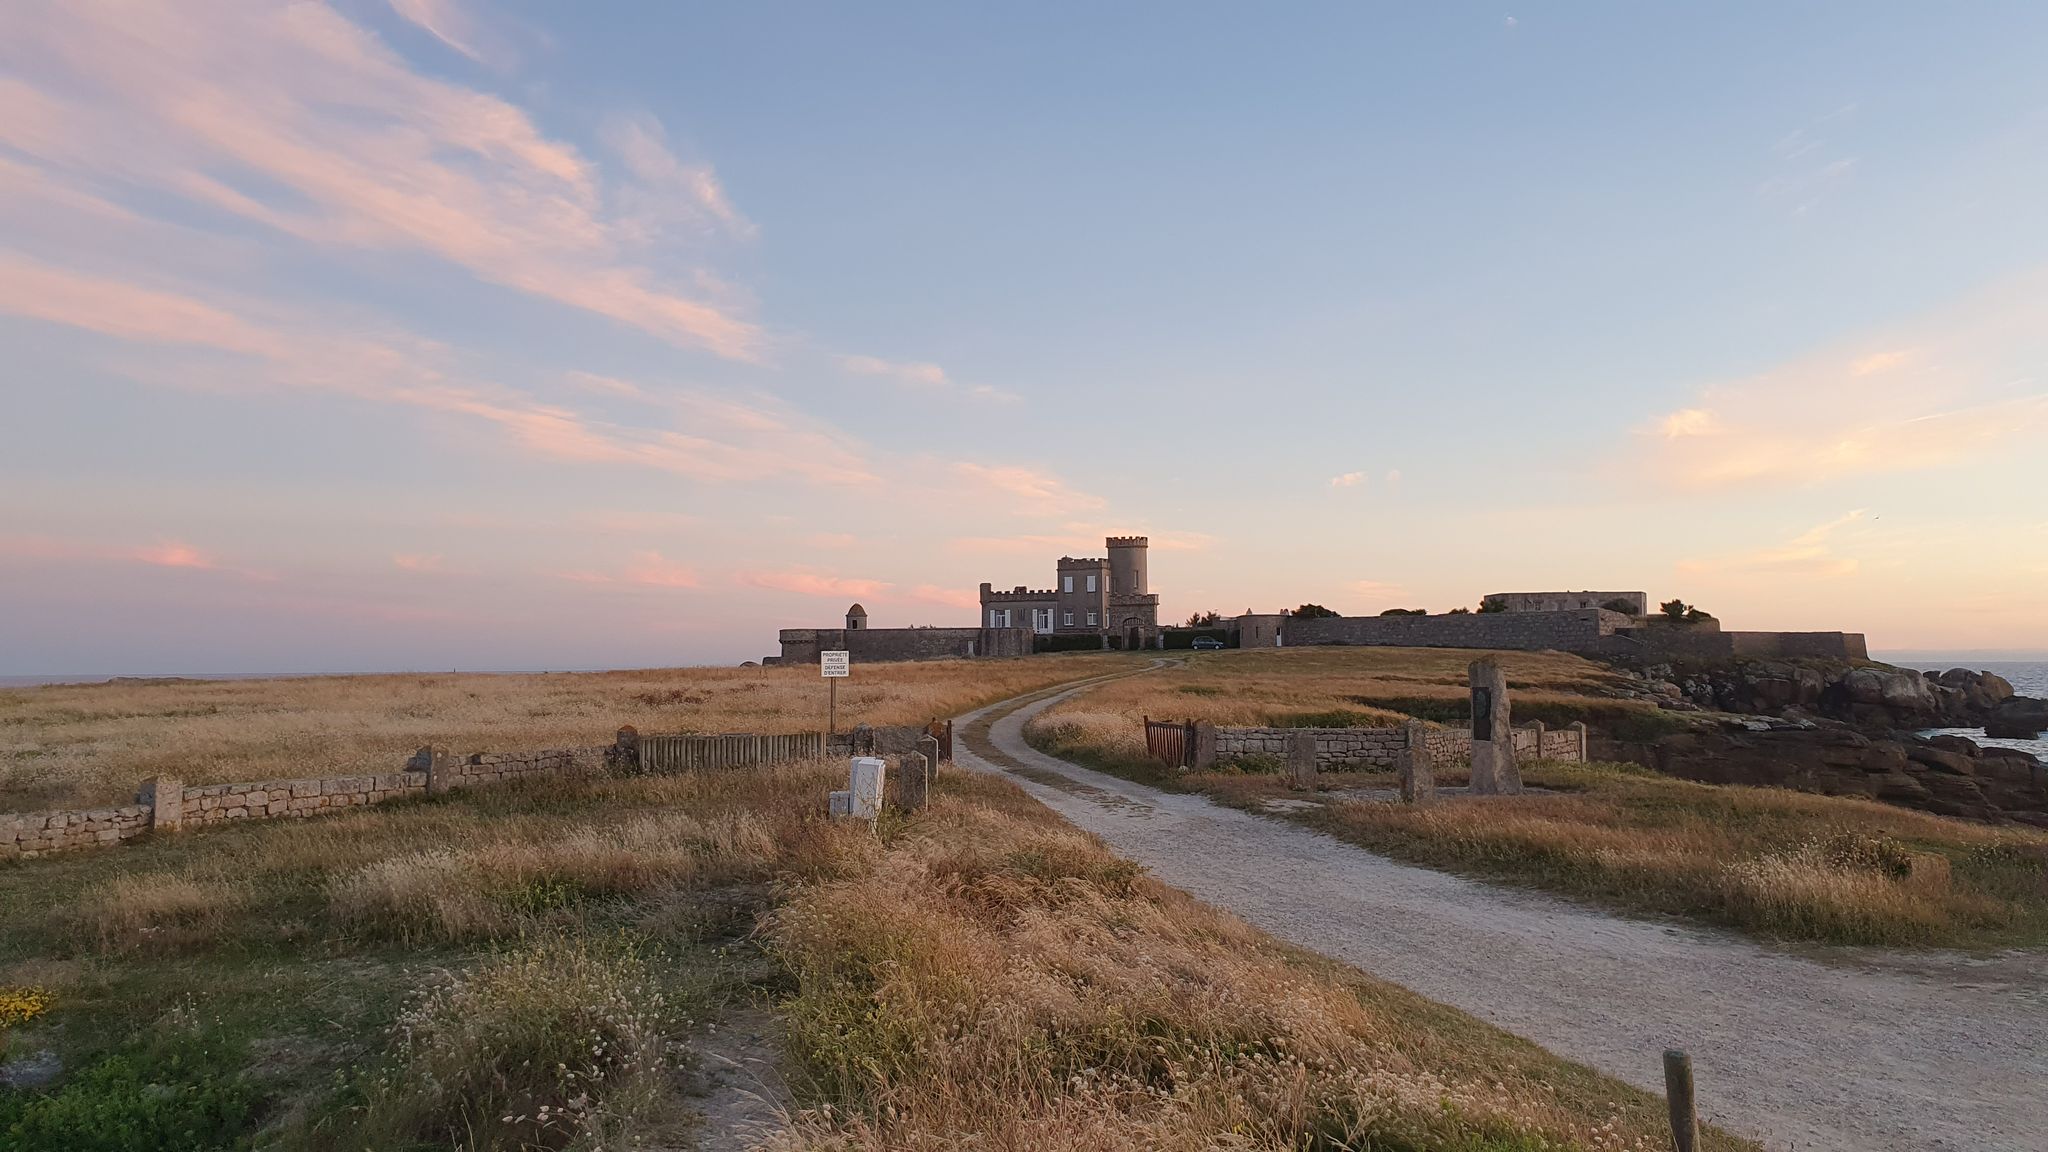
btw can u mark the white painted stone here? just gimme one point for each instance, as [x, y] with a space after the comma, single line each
[865, 784]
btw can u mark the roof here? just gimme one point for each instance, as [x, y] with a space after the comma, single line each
[856, 610]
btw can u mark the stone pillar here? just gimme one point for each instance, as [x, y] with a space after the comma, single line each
[928, 747]
[1301, 758]
[1418, 767]
[1205, 745]
[624, 758]
[164, 796]
[913, 782]
[1493, 737]
[1579, 731]
[864, 786]
[439, 766]
[1538, 753]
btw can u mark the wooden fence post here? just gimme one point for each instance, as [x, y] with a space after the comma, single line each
[1685, 1124]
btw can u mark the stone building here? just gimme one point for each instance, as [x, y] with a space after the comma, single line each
[1106, 596]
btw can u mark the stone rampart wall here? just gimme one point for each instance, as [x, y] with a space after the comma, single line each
[1791, 645]
[884, 645]
[1524, 631]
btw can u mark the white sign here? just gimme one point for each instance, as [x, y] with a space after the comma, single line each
[832, 664]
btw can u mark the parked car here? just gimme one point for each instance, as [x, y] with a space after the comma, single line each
[1206, 643]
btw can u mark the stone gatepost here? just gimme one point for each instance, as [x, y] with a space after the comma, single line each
[164, 796]
[1301, 759]
[928, 747]
[623, 758]
[1418, 767]
[1579, 732]
[1205, 745]
[1494, 770]
[1537, 752]
[439, 767]
[914, 782]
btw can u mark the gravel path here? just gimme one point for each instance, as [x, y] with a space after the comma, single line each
[1841, 1049]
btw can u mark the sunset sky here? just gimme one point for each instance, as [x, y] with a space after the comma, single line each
[440, 334]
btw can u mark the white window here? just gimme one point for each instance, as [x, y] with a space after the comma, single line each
[1041, 619]
[1066, 583]
[999, 617]
[1091, 619]
[1069, 621]
[1091, 581]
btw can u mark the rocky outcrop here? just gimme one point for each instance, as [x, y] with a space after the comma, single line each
[1874, 697]
[2018, 717]
[1947, 775]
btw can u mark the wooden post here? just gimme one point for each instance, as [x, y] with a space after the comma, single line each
[1685, 1123]
[832, 707]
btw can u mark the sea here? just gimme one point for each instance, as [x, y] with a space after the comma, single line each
[2028, 678]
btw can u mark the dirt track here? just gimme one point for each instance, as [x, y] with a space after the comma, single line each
[1842, 1049]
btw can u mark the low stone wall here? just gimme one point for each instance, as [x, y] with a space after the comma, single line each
[165, 803]
[41, 833]
[1355, 749]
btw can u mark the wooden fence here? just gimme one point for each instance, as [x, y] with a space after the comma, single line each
[1172, 744]
[733, 750]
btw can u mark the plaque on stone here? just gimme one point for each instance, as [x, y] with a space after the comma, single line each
[1482, 712]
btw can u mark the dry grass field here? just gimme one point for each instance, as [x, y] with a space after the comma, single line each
[1776, 863]
[537, 965]
[82, 745]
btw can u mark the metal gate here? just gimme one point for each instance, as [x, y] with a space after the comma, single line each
[1172, 744]
[733, 750]
[942, 731]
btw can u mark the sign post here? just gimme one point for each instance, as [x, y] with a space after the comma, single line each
[834, 666]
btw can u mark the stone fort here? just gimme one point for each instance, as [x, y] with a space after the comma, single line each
[1107, 602]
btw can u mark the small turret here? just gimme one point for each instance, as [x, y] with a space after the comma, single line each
[856, 618]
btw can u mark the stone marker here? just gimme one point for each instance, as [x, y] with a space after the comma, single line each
[1301, 759]
[1418, 767]
[164, 796]
[928, 747]
[439, 767]
[865, 783]
[1579, 730]
[1205, 745]
[913, 782]
[1493, 738]
[840, 804]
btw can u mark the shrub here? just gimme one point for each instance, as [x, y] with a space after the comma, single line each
[557, 1042]
[1493, 604]
[1406, 612]
[172, 1090]
[1314, 612]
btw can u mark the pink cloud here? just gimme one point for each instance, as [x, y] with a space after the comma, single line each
[302, 121]
[1028, 490]
[812, 583]
[652, 570]
[172, 554]
[413, 562]
[949, 597]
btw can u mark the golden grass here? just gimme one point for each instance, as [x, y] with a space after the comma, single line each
[981, 974]
[998, 980]
[84, 745]
[155, 910]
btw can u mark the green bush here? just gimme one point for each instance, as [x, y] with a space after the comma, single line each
[177, 1093]
[1088, 643]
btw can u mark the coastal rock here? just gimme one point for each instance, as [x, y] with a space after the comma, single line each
[2018, 718]
[1949, 776]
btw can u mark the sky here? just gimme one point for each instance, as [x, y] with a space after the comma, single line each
[436, 334]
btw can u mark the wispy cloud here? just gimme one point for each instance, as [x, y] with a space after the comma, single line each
[808, 583]
[1028, 490]
[298, 120]
[1938, 392]
[446, 21]
[1347, 480]
[922, 375]
[1810, 553]
[647, 569]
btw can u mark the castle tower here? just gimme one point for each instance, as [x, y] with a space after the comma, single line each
[1127, 575]
[856, 617]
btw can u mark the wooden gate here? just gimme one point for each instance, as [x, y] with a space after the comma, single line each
[1169, 743]
[733, 750]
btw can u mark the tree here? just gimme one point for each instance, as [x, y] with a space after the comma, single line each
[1460, 612]
[1674, 609]
[1205, 620]
[1406, 612]
[1314, 612]
[1493, 604]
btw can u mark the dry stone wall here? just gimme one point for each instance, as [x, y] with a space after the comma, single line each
[41, 833]
[1354, 749]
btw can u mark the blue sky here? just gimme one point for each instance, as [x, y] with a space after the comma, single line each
[441, 333]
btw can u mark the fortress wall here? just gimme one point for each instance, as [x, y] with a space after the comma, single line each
[884, 645]
[1527, 631]
[1785, 645]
